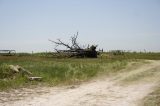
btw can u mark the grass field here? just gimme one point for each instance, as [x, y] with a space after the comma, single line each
[56, 71]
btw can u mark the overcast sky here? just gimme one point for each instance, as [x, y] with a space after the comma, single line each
[26, 25]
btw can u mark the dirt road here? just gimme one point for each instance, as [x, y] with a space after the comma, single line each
[112, 91]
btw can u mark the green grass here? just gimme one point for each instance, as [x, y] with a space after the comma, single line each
[55, 71]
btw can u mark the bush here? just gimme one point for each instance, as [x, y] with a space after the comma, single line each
[5, 71]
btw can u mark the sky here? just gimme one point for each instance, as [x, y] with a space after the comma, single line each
[26, 25]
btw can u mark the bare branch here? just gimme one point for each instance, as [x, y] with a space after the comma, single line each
[75, 45]
[61, 43]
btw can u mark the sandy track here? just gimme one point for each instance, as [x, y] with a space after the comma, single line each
[99, 92]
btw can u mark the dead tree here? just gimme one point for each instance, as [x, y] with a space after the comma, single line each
[75, 49]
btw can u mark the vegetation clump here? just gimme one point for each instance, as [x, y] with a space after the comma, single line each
[5, 71]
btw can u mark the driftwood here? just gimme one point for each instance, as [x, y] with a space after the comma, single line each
[25, 71]
[35, 78]
[14, 68]
[19, 69]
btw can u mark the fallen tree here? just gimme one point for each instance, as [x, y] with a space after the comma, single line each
[75, 50]
[24, 72]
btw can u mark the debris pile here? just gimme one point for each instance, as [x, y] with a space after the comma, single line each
[28, 74]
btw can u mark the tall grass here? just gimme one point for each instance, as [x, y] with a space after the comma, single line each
[56, 71]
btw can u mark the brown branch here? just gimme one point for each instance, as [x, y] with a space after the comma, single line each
[74, 46]
[61, 43]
